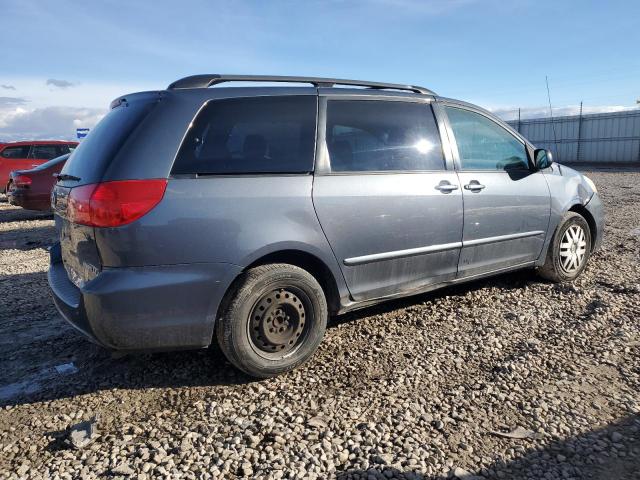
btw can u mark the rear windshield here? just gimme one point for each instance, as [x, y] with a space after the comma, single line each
[251, 135]
[91, 158]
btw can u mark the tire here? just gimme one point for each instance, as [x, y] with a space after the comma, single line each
[273, 320]
[570, 238]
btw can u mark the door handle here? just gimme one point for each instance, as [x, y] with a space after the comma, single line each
[474, 185]
[446, 187]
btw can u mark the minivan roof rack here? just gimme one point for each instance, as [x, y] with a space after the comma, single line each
[204, 81]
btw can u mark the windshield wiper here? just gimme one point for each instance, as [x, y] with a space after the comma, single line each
[66, 176]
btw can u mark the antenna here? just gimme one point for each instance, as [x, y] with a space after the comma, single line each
[553, 125]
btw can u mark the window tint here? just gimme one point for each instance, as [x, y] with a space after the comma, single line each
[251, 135]
[483, 144]
[62, 150]
[98, 149]
[16, 152]
[371, 135]
[44, 152]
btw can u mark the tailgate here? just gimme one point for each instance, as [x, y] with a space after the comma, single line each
[87, 165]
[77, 242]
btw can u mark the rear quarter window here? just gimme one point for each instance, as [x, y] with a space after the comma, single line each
[251, 135]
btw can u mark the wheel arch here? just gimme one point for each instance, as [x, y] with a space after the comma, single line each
[312, 264]
[586, 214]
[299, 258]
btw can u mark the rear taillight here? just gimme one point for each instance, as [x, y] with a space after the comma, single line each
[22, 181]
[111, 204]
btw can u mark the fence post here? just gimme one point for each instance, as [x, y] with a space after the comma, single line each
[579, 134]
[639, 143]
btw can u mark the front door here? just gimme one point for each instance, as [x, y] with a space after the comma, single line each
[506, 202]
[389, 207]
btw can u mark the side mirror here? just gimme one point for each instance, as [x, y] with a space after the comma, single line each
[543, 158]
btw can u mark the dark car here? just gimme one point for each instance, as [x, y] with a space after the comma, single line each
[31, 189]
[25, 155]
[250, 214]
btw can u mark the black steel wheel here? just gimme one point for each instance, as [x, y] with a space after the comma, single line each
[274, 321]
[277, 322]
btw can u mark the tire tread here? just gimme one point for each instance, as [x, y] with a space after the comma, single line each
[241, 292]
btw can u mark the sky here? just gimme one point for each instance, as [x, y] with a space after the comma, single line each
[63, 61]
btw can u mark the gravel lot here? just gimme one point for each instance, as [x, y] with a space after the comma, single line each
[409, 389]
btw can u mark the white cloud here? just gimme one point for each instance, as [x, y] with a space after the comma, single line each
[510, 113]
[8, 87]
[55, 113]
[46, 123]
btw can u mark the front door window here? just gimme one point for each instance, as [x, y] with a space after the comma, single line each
[485, 145]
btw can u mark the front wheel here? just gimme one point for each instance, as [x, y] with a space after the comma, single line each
[569, 250]
[274, 320]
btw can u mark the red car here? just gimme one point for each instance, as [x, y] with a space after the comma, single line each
[31, 189]
[25, 155]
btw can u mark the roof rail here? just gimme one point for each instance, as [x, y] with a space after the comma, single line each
[204, 81]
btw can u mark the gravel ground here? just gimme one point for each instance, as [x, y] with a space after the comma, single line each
[408, 389]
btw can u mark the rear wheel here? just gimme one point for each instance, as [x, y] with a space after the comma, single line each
[274, 320]
[569, 250]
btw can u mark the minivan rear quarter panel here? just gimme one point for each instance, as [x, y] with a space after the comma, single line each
[231, 219]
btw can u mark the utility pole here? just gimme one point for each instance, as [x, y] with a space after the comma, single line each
[519, 118]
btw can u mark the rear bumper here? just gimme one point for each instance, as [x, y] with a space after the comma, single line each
[144, 308]
[596, 209]
[22, 199]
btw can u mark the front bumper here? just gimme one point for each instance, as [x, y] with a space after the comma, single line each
[596, 209]
[144, 308]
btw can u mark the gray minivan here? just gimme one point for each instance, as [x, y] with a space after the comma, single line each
[251, 213]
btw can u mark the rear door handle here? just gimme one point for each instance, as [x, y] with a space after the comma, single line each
[474, 185]
[446, 187]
